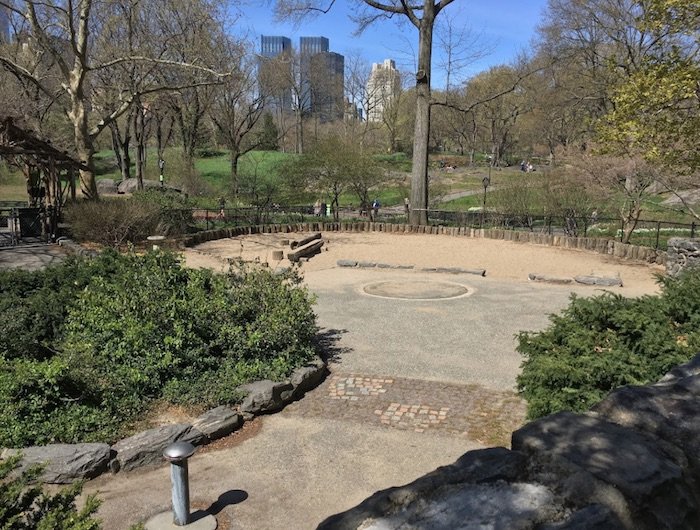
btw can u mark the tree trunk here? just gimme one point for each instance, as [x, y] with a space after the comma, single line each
[83, 145]
[421, 138]
[235, 156]
[299, 122]
[140, 134]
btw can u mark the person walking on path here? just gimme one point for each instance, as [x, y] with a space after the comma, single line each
[375, 209]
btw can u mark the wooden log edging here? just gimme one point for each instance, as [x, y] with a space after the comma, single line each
[591, 244]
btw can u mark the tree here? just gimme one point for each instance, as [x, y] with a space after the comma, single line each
[269, 135]
[331, 167]
[68, 33]
[422, 17]
[656, 111]
[624, 181]
[499, 107]
[237, 108]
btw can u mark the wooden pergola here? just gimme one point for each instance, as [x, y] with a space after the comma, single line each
[50, 173]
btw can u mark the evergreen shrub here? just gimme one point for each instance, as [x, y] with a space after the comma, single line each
[600, 343]
[119, 333]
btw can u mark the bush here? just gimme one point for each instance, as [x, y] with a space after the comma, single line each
[598, 344]
[25, 506]
[113, 222]
[134, 330]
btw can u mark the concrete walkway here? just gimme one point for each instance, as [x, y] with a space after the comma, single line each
[414, 385]
[30, 257]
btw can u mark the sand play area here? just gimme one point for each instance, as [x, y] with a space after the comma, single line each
[502, 260]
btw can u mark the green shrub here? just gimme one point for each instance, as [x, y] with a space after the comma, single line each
[598, 344]
[128, 331]
[25, 506]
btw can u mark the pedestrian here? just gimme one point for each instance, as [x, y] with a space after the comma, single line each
[317, 208]
[222, 208]
[375, 208]
[323, 209]
[406, 206]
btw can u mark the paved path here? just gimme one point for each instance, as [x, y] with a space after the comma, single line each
[414, 385]
[30, 257]
[469, 411]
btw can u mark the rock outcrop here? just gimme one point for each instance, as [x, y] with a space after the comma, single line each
[629, 463]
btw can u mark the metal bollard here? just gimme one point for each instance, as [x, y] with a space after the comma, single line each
[177, 454]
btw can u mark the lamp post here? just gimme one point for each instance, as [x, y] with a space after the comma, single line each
[161, 166]
[486, 181]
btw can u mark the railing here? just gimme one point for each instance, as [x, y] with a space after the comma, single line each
[649, 233]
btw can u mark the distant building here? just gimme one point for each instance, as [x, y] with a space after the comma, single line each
[327, 85]
[382, 87]
[320, 77]
[352, 111]
[275, 70]
[272, 47]
[309, 46]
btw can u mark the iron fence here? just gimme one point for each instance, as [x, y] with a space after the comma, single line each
[650, 233]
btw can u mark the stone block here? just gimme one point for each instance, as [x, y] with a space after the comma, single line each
[218, 422]
[65, 463]
[597, 280]
[307, 377]
[265, 396]
[146, 448]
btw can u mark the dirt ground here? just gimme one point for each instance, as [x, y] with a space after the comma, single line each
[503, 260]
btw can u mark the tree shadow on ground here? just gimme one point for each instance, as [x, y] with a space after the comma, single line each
[327, 343]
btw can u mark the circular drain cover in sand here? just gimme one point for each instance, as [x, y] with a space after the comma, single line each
[416, 290]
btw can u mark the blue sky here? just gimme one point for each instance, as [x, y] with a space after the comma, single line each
[504, 26]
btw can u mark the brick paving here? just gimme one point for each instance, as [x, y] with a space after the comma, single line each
[430, 407]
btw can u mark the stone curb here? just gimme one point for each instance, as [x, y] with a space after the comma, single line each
[67, 463]
[596, 245]
[74, 248]
[349, 263]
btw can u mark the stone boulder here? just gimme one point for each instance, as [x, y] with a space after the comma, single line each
[598, 280]
[265, 396]
[217, 423]
[106, 186]
[596, 461]
[668, 411]
[146, 448]
[481, 486]
[307, 377]
[535, 277]
[65, 463]
[131, 185]
[682, 371]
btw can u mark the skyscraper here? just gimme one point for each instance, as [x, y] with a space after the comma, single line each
[272, 47]
[309, 46]
[382, 87]
[322, 78]
[327, 79]
[275, 70]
